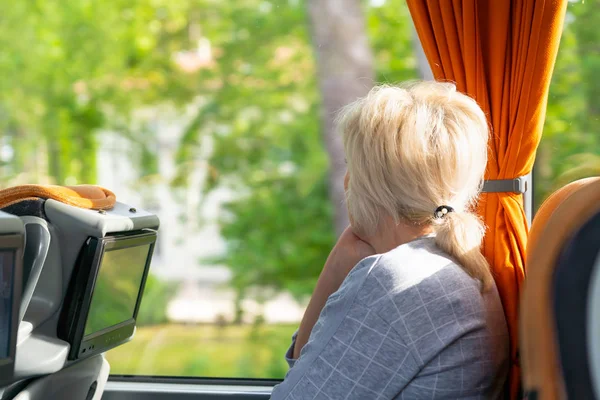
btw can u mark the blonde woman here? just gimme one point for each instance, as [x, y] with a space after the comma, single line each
[406, 306]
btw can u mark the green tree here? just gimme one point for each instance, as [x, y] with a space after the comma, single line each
[72, 67]
[269, 150]
[264, 126]
[570, 143]
[345, 72]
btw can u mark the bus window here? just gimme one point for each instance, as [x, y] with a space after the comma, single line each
[217, 116]
[570, 145]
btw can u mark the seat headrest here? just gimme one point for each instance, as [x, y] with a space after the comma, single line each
[563, 214]
[83, 196]
[576, 301]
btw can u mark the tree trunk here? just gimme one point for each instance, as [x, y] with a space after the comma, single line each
[345, 73]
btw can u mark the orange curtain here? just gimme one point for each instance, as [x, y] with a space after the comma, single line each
[502, 54]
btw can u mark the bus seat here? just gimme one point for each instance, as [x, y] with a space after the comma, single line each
[563, 247]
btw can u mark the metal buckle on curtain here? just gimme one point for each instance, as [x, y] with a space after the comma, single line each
[517, 185]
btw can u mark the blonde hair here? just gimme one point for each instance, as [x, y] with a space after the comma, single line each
[412, 149]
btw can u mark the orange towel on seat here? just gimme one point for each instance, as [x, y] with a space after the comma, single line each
[83, 196]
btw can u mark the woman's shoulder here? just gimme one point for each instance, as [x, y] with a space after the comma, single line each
[417, 270]
[420, 287]
[430, 303]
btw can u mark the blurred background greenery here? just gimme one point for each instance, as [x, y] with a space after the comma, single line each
[250, 72]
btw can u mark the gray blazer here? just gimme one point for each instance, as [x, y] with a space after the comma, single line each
[407, 324]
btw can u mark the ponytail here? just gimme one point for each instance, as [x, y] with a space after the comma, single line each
[460, 234]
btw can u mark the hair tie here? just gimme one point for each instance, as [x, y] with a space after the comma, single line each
[441, 211]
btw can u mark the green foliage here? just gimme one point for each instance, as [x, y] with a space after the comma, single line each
[389, 29]
[268, 145]
[205, 351]
[73, 73]
[72, 67]
[153, 310]
[571, 140]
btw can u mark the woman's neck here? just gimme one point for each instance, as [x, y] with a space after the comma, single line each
[391, 235]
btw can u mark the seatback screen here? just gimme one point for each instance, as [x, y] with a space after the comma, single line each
[117, 287]
[7, 265]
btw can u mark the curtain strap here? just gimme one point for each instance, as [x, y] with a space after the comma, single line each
[517, 185]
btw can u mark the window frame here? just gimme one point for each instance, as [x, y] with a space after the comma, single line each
[119, 386]
[123, 386]
[528, 200]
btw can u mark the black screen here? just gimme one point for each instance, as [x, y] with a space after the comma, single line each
[7, 264]
[117, 287]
